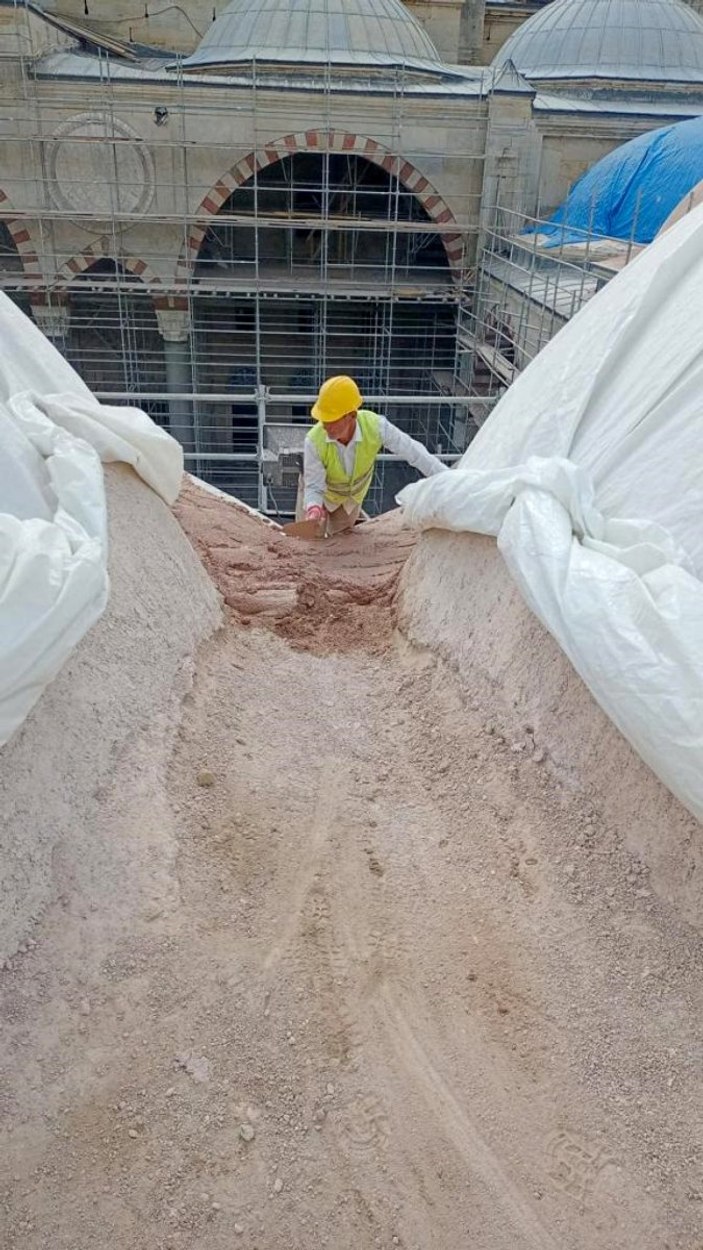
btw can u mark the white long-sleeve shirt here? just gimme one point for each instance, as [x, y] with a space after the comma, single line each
[394, 440]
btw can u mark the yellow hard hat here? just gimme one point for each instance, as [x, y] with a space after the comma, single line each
[337, 397]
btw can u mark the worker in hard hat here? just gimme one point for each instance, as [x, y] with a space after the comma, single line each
[340, 455]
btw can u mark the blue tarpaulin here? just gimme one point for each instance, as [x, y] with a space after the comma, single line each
[631, 192]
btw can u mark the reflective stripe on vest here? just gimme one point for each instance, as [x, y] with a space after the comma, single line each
[340, 485]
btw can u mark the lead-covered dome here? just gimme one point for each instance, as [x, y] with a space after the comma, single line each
[633, 40]
[354, 33]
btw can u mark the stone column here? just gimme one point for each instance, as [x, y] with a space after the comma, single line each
[54, 321]
[471, 20]
[174, 328]
[512, 164]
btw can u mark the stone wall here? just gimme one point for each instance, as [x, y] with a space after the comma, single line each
[498, 26]
[179, 28]
[441, 19]
[170, 171]
[571, 144]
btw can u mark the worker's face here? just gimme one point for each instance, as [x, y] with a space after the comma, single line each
[342, 431]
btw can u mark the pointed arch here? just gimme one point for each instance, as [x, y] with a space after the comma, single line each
[325, 141]
[21, 237]
[102, 249]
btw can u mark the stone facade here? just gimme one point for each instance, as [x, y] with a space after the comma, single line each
[79, 175]
[114, 187]
[76, 165]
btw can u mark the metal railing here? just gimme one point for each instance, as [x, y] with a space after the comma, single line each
[236, 441]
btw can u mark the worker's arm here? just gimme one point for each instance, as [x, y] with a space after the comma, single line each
[315, 478]
[401, 444]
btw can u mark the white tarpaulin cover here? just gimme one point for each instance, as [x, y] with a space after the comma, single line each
[590, 473]
[53, 516]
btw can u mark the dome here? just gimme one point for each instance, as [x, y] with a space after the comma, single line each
[640, 40]
[369, 33]
[631, 193]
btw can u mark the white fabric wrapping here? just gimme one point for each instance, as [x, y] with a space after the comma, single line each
[53, 517]
[590, 474]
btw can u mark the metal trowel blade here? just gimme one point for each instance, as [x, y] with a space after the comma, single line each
[305, 529]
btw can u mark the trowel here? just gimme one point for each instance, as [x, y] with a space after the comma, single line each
[305, 529]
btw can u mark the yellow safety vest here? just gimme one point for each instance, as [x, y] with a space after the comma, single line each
[342, 486]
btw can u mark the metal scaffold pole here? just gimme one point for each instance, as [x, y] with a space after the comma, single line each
[238, 233]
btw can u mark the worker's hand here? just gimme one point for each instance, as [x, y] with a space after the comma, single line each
[315, 513]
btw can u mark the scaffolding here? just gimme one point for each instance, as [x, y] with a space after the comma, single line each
[219, 305]
[322, 261]
[222, 320]
[527, 288]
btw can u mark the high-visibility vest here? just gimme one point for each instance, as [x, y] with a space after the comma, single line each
[342, 486]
